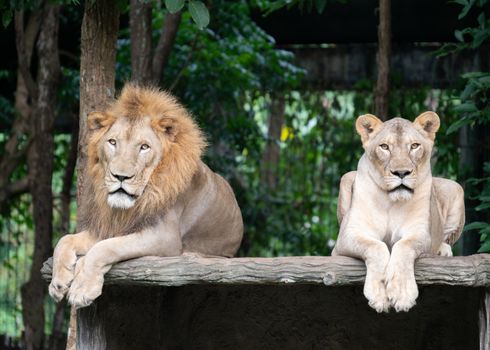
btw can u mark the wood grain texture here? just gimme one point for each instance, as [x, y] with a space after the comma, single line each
[470, 271]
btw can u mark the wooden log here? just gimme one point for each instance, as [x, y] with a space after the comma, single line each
[270, 303]
[469, 271]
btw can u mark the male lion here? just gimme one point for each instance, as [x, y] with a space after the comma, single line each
[392, 210]
[148, 193]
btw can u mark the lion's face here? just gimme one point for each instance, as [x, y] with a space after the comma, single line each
[398, 151]
[131, 154]
[142, 151]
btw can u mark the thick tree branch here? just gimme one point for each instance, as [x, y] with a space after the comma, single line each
[100, 27]
[13, 189]
[22, 57]
[140, 33]
[40, 170]
[68, 179]
[383, 58]
[163, 49]
[186, 63]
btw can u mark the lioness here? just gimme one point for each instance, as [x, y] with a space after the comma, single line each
[148, 193]
[392, 210]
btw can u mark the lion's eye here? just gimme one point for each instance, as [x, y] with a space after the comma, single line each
[415, 145]
[384, 146]
[144, 147]
[112, 142]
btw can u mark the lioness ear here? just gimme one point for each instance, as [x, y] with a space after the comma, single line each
[367, 125]
[169, 127]
[98, 120]
[429, 123]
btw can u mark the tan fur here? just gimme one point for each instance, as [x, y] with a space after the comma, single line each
[389, 225]
[148, 193]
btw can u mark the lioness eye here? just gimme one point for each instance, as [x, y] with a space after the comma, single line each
[384, 146]
[415, 145]
[144, 147]
[112, 142]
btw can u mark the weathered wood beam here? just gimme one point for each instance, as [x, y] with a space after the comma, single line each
[412, 65]
[469, 271]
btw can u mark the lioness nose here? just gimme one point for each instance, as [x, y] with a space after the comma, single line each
[401, 173]
[121, 177]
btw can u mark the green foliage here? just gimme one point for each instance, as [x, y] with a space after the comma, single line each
[475, 101]
[198, 11]
[484, 199]
[308, 5]
[474, 107]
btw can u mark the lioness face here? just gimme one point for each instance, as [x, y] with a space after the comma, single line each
[399, 151]
[130, 150]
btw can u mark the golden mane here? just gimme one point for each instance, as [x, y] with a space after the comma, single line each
[182, 142]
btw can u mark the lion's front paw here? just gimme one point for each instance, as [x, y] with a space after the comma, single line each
[86, 286]
[375, 292]
[401, 289]
[445, 250]
[62, 279]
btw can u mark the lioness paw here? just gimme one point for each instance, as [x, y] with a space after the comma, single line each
[375, 293]
[402, 291]
[445, 250]
[86, 286]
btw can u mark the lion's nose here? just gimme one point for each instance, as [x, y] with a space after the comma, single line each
[401, 173]
[121, 177]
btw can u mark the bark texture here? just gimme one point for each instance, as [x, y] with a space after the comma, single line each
[40, 171]
[147, 64]
[100, 27]
[97, 69]
[383, 60]
[141, 30]
[165, 44]
[472, 271]
[270, 158]
[15, 148]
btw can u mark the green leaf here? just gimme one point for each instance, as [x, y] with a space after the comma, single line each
[199, 13]
[174, 6]
[482, 206]
[477, 225]
[467, 107]
[320, 5]
[457, 125]
[6, 18]
[467, 7]
[459, 35]
[485, 248]
[460, 2]
[481, 19]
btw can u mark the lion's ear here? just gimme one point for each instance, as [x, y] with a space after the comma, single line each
[367, 125]
[169, 127]
[98, 120]
[429, 123]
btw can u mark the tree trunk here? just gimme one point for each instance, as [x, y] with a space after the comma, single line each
[140, 26]
[270, 159]
[13, 151]
[164, 47]
[40, 164]
[383, 59]
[100, 27]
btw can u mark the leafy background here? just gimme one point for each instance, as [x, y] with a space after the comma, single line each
[228, 72]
